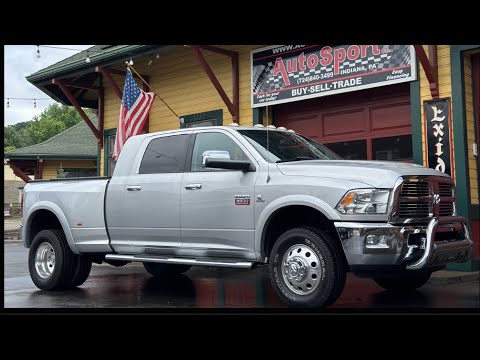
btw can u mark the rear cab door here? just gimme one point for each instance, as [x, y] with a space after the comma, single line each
[143, 207]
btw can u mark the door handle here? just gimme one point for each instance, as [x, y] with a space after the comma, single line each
[193, 186]
[134, 188]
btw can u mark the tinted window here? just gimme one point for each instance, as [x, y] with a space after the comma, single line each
[214, 141]
[165, 155]
[282, 146]
[350, 150]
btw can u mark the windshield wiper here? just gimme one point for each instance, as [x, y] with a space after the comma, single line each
[298, 158]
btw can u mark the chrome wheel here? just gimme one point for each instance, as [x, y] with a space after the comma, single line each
[301, 269]
[45, 260]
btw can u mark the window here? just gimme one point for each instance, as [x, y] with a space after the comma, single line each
[165, 155]
[350, 150]
[208, 118]
[109, 141]
[214, 141]
[396, 148]
[77, 172]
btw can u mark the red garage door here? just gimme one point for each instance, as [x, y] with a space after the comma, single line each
[372, 124]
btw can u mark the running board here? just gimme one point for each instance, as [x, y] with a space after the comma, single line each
[235, 264]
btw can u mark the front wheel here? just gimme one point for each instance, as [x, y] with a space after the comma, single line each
[306, 268]
[407, 281]
[159, 269]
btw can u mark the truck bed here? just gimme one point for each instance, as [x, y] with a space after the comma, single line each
[77, 202]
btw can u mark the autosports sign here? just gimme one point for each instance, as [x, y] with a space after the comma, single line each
[287, 73]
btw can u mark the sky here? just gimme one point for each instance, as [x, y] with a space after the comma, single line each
[21, 61]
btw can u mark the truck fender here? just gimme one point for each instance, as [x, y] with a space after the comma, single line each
[47, 205]
[288, 200]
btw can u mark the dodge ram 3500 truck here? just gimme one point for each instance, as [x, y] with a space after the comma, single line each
[243, 196]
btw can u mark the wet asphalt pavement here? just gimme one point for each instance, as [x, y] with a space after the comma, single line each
[203, 287]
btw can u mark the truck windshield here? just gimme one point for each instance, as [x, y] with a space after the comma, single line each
[287, 146]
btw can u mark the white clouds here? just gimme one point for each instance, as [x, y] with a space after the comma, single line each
[21, 61]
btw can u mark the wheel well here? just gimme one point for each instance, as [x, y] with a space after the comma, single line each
[41, 220]
[290, 217]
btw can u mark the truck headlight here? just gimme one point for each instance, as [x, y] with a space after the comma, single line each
[364, 201]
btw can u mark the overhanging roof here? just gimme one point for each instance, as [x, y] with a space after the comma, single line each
[77, 142]
[75, 68]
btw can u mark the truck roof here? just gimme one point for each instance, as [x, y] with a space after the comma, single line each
[229, 128]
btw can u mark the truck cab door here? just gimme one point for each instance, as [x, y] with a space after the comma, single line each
[217, 205]
[143, 208]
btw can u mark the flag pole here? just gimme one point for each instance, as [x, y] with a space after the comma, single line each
[152, 89]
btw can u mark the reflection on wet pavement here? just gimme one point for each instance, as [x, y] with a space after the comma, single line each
[203, 287]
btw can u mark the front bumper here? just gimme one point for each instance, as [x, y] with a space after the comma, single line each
[437, 243]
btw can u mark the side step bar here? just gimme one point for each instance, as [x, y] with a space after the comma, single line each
[183, 261]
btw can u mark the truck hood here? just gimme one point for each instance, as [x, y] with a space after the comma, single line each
[380, 174]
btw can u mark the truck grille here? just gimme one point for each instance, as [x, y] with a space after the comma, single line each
[416, 198]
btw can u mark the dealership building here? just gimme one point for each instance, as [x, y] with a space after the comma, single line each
[408, 103]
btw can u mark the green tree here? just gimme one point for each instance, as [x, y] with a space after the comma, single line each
[43, 130]
[52, 121]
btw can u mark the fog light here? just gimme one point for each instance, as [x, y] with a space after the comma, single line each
[372, 239]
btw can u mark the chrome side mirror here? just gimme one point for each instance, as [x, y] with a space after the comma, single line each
[215, 154]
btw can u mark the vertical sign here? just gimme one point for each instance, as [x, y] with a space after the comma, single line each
[438, 135]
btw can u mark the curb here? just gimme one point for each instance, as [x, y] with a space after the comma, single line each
[448, 277]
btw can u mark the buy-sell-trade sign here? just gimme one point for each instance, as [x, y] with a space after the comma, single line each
[288, 73]
[438, 133]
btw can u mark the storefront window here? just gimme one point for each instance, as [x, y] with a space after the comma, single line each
[395, 148]
[350, 150]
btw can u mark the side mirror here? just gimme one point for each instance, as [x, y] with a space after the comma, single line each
[229, 164]
[215, 154]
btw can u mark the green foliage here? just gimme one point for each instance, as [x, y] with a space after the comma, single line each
[52, 121]
[8, 148]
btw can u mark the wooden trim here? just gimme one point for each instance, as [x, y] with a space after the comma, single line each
[75, 103]
[18, 172]
[459, 131]
[203, 63]
[40, 169]
[80, 85]
[218, 50]
[236, 88]
[415, 110]
[108, 76]
[429, 66]
[101, 114]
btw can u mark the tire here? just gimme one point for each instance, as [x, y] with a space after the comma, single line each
[82, 270]
[159, 269]
[317, 271]
[56, 274]
[407, 281]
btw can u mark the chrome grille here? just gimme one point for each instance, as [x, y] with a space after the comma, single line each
[445, 190]
[446, 209]
[415, 198]
[415, 189]
[414, 209]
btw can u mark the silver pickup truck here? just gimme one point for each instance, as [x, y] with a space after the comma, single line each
[246, 196]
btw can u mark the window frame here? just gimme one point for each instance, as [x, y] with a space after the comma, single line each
[143, 148]
[188, 160]
[216, 114]
[106, 135]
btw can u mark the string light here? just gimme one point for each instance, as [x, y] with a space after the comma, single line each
[27, 99]
[130, 62]
[150, 62]
[88, 58]
[38, 51]
[157, 56]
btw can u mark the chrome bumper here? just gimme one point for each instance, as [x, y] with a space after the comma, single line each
[414, 246]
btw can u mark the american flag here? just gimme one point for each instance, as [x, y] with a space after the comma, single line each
[134, 109]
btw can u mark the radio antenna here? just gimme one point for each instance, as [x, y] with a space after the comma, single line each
[268, 148]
